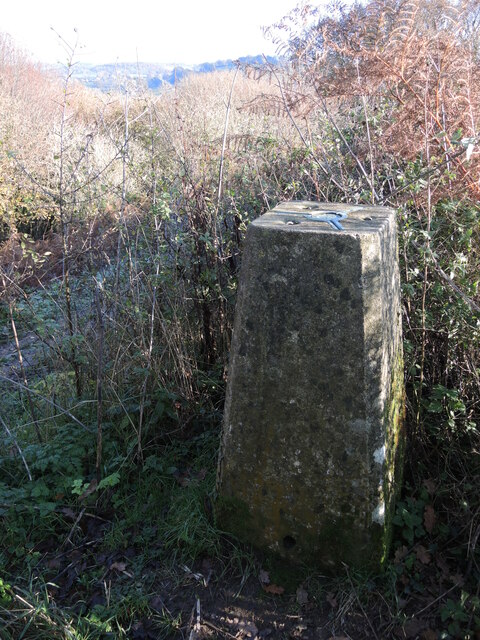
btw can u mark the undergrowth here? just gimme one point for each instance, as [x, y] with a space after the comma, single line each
[121, 247]
[101, 553]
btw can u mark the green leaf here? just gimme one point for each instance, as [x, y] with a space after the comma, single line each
[110, 481]
[435, 406]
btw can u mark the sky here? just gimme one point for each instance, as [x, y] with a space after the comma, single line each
[180, 31]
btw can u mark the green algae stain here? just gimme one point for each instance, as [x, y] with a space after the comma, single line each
[233, 516]
[394, 417]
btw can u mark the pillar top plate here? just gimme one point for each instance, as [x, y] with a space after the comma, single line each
[321, 217]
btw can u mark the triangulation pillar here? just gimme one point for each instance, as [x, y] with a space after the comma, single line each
[311, 448]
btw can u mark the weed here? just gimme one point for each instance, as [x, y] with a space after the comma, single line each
[409, 517]
[462, 617]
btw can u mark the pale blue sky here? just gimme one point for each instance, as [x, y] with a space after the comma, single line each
[182, 31]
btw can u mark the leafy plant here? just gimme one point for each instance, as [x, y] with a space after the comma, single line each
[462, 616]
[409, 517]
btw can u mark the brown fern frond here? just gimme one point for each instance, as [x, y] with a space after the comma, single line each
[419, 57]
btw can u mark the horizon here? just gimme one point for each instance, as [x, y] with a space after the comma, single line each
[160, 63]
[102, 33]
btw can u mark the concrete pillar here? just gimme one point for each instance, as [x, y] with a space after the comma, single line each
[311, 448]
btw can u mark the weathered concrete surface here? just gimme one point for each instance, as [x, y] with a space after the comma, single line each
[312, 438]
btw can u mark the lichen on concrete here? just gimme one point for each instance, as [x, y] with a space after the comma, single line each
[310, 461]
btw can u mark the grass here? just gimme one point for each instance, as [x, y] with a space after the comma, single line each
[100, 555]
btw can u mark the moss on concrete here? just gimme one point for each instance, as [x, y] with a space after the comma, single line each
[233, 515]
[395, 433]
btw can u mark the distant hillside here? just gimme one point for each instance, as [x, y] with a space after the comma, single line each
[112, 75]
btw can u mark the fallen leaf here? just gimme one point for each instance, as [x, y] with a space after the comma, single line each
[457, 579]
[298, 631]
[273, 588]
[68, 513]
[442, 565]
[144, 630]
[400, 554]
[54, 563]
[413, 627]
[264, 577]
[248, 628]
[120, 566]
[332, 600]
[429, 634]
[430, 485]
[92, 487]
[302, 596]
[429, 518]
[423, 554]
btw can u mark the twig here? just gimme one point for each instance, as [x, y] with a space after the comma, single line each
[197, 626]
[215, 628]
[224, 142]
[123, 201]
[423, 174]
[350, 150]
[297, 128]
[51, 402]
[468, 301]
[217, 228]
[75, 524]
[20, 361]
[18, 448]
[364, 102]
[101, 336]
[37, 611]
[154, 300]
[62, 572]
[472, 543]
[474, 307]
[430, 604]
[360, 604]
